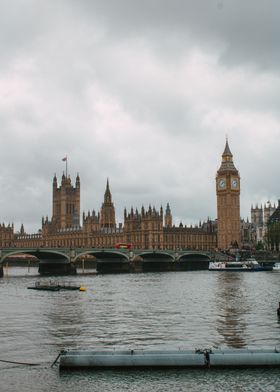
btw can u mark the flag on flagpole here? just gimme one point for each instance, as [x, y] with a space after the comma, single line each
[65, 160]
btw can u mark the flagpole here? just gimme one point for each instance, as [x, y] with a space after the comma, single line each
[65, 160]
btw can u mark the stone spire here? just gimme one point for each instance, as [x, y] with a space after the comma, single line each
[168, 216]
[107, 213]
[227, 152]
[107, 195]
[227, 162]
[77, 181]
[55, 181]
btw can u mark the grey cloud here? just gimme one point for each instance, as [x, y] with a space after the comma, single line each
[243, 31]
[118, 87]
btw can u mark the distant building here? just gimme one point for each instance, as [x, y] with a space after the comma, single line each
[6, 235]
[273, 229]
[248, 234]
[259, 219]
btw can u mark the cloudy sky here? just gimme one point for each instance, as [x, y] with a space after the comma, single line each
[143, 92]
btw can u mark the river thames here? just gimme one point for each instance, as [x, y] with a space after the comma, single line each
[196, 309]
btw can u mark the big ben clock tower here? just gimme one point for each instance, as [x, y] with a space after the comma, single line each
[228, 202]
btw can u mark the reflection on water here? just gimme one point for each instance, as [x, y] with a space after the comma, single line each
[64, 321]
[231, 308]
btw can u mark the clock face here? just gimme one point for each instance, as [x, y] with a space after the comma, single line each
[234, 183]
[222, 183]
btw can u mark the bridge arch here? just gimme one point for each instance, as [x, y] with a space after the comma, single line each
[155, 261]
[51, 261]
[156, 256]
[193, 261]
[109, 261]
[194, 256]
[104, 255]
[41, 254]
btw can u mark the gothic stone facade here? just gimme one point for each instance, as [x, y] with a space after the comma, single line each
[144, 229]
[260, 217]
[228, 202]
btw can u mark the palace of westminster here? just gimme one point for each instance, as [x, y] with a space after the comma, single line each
[145, 228]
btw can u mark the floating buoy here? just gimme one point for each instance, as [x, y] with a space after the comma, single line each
[83, 288]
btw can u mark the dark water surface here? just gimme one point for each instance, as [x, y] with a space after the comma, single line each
[162, 310]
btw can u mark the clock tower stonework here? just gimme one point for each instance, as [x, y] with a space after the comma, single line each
[228, 202]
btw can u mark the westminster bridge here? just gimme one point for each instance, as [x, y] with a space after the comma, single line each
[63, 261]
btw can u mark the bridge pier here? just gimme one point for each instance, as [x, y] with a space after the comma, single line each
[112, 266]
[56, 267]
[1, 270]
[136, 265]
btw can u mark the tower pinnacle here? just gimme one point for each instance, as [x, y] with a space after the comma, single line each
[107, 195]
[227, 161]
[107, 209]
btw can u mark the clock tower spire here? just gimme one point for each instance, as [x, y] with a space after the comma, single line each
[228, 202]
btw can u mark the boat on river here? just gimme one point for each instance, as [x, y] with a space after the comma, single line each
[248, 265]
[56, 286]
[276, 267]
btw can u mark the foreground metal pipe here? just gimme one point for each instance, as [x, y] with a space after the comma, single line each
[214, 358]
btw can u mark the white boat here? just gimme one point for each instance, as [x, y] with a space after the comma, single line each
[227, 266]
[248, 265]
[276, 267]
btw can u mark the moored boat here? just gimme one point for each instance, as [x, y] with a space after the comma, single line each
[248, 265]
[276, 267]
[44, 287]
[56, 286]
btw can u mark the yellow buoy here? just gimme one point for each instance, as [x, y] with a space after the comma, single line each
[83, 288]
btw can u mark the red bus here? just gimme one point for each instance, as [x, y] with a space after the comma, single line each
[123, 246]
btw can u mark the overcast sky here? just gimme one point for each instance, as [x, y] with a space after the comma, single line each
[142, 92]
